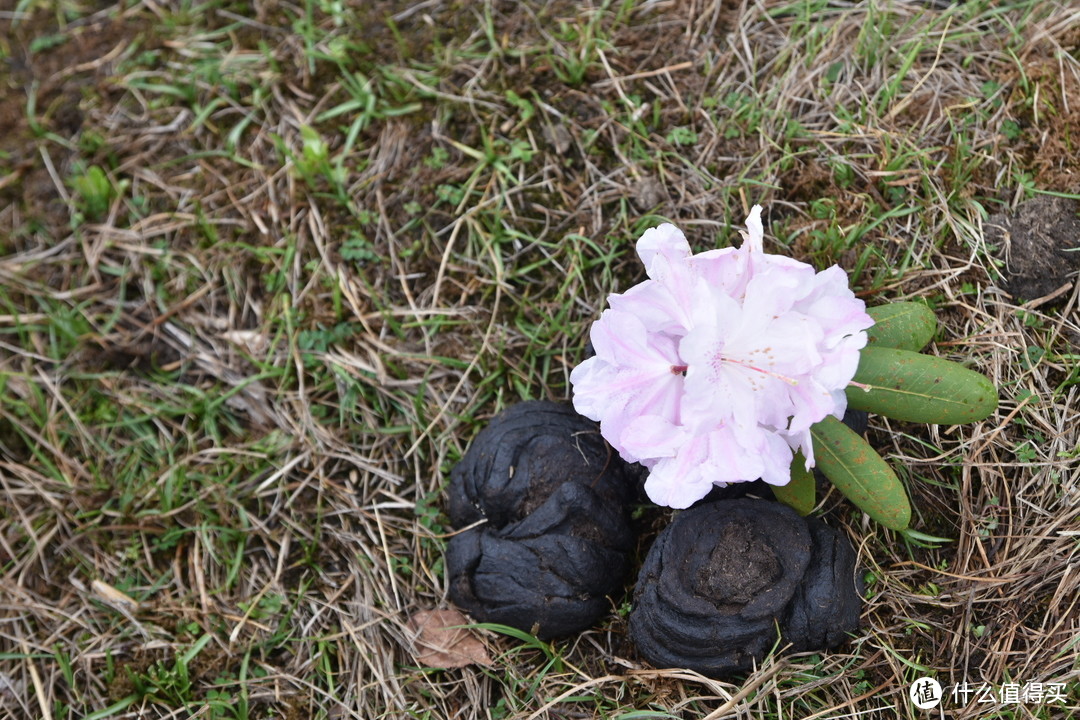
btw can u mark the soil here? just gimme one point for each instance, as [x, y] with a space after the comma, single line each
[58, 71]
[1040, 243]
[1048, 118]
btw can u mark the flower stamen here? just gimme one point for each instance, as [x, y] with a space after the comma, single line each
[789, 380]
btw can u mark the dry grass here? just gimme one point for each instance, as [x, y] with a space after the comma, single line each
[328, 239]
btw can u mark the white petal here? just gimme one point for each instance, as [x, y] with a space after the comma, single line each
[723, 270]
[653, 437]
[679, 481]
[658, 309]
[732, 454]
[801, 441]
[666, 240]
[755, 239]
[621, 339]
[776, 456]
[589, 380]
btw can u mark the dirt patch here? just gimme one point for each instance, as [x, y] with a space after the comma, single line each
[149, 670]
[1045, 103]
[1040, 244]
[127, 671]
[50, 73]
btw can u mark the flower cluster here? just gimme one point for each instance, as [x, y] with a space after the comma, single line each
[713, 370]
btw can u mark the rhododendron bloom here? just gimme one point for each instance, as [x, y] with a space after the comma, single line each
[713, 370]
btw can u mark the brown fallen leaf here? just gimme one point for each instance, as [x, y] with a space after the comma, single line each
[438, 641]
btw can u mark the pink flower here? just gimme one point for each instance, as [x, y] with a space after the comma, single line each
[713, 370]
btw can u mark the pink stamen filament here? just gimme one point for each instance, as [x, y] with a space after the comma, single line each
[681, 370]
[790, 381]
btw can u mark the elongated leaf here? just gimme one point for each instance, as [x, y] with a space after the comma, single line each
[799, 494]
[860, 474]
[920, 388]
[901, 325]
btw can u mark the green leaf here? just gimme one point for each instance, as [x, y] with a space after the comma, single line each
[860, 474]
[799, 494]
[524, 106]
[95, 191]
[906, 385]
[901, 325]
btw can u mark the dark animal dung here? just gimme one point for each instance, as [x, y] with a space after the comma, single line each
[723, 576]
[557, 534]
[857, 420]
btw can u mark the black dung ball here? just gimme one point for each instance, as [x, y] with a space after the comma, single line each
[555, 542]
[720, 579]
[857, 420]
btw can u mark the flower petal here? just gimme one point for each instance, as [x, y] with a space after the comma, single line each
[652, 436]
[664, 240]
[714, 368]
[756, 236]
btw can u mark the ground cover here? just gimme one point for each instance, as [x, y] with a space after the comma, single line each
[267, 267]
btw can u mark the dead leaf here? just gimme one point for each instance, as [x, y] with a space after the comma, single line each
[560, 137]
[439, 642]
[252, 341]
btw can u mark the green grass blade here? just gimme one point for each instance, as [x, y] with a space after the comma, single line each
[901, 325]
[113, 709]
[195, 649]
[800, 493]
[905, 385]
[528, 639]
[860, 474]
